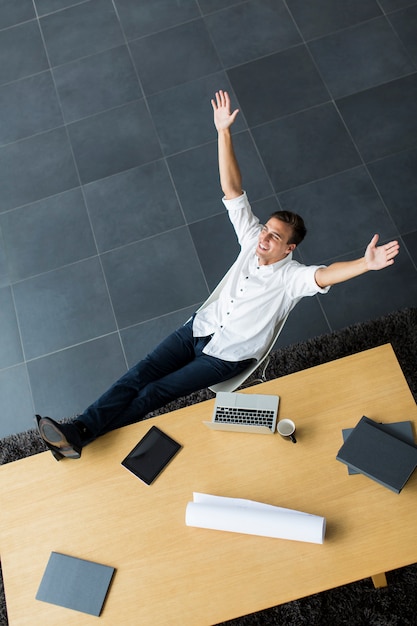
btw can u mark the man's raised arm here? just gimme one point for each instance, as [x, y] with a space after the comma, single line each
[230, 177]
[376, 258]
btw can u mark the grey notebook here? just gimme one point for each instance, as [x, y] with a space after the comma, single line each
[402, 430]
[379, 454]
[75, 583]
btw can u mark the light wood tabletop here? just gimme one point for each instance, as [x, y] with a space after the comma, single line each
[169, 573]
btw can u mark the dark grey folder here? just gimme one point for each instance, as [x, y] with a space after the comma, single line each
[401, 430]
[75, 583]
[379, 454]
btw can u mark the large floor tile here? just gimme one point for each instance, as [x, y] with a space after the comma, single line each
[382, 120]
[154, 277]
[322, 17]
[36, 168]
[372, 295]
[216, 245]
[346, 205]
[183, 116]
[149, 16]
[305, 321]
[251, 30]
[360, 57]
[27, 107]
[63, 307]
[96, 83]
[23, 48]
[12, 12]
[405, 25]
[17, 413]
[393, 5]
[66, 382]
[163, 60]
[410, 241]
[10, 345]
[208, 6]
[132, 205]
[113, 141]
[264, 208]
[277, 85]
[141, 339]
[395, 178]
[60, 234]
[303, 147]
[81, 30]
[4, 270]
[50, 6]
[196, 177]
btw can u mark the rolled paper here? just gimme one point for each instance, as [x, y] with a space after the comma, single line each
[253, 518]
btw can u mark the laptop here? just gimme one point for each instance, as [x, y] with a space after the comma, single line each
[245, 413]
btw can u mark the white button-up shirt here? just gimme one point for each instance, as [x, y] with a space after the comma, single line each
[255, 297]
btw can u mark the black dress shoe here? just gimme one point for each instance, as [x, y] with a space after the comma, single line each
[62, 440]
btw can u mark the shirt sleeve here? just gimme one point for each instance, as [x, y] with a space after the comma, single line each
[245, 223]
[300, 280]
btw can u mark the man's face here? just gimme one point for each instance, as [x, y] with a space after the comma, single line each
[273, 243]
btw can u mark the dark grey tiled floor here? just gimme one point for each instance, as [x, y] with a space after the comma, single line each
[112, 229]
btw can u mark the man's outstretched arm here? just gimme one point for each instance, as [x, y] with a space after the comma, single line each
[230, 177]
[376, 258]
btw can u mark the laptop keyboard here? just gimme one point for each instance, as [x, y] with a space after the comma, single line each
[254, 417]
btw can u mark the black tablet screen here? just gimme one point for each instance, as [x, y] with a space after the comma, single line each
[149, 457]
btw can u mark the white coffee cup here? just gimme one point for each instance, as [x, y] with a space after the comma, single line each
[286, 429]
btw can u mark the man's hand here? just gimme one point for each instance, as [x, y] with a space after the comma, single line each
[223, 118]
[378, 257]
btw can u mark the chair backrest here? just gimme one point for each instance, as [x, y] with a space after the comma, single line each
[234, 383]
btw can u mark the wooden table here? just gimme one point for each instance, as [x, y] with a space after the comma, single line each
[168, 573]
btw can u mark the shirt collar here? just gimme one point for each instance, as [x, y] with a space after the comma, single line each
[273, 267]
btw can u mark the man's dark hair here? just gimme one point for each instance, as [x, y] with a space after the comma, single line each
[296, 222]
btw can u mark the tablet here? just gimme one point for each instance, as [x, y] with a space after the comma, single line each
[149, 457]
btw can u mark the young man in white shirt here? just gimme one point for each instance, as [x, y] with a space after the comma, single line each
[225, 336]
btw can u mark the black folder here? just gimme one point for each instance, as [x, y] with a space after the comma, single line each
[378, 453]
[75, 583]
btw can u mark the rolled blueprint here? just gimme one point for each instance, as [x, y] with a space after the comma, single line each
[253, 518]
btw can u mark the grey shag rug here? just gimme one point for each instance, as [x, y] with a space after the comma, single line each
[357, 604]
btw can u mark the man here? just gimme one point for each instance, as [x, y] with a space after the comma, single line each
[225, 336]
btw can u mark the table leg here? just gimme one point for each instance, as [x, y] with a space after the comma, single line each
[379, 580]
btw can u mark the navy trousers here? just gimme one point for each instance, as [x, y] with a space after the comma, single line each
[177, 367]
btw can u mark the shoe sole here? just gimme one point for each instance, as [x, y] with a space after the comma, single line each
[55, 440]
